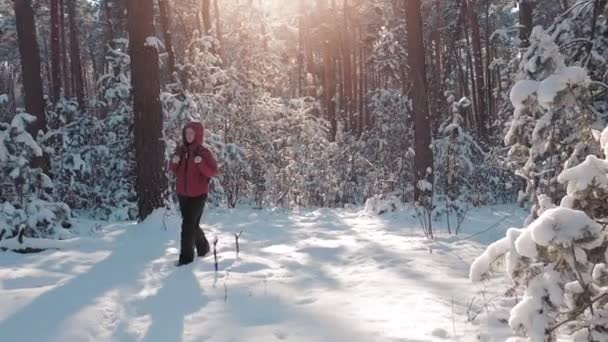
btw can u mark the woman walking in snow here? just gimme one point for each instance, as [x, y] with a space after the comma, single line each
[194, 165]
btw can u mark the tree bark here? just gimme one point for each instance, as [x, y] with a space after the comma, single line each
[218, 26]
[423, 159]
[151, 182]
[165, 21]
[481, 112]
[300, 51]
[64, 51]
[206, 16]
[30, 64]
[362, 77]
[55, 52]
[346, 67]
[109, 28]
[525, 22]
[329, 89]
[488, 73]
[78, 82]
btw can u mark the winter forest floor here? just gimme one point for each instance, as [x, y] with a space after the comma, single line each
[322, 275]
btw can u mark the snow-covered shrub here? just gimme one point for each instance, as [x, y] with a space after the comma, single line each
[559, 259]
[456, 155]
[27, 207]
[380, 204]
[551, 125]
[387, 146]
[93, 159]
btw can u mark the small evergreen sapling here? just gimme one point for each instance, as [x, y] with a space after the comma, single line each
[27, 207]
[559, 260]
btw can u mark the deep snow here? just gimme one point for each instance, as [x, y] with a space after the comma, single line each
[322, 275]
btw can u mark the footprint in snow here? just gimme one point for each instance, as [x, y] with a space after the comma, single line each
[281, 335]
[306, 301]
[441, 333]
[248, 267]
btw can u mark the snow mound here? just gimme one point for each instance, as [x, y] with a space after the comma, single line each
[378, 205]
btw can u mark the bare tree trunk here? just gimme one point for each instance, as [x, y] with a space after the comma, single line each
[151, 182]
[488, 74]
[30, 65]
[329, 89]
[355, 83]
[205, 15]
[47, 66]
[300, 52]
[471, 81]
[218, 26]
[165, 22]
[109, 25]
[55, 52]
[362, 77]
[481, 112]
[75, 55]
[347, 73]
[525, 22]
[423, 159]
[64, 52]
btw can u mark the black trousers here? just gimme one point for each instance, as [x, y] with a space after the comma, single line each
[192, 235]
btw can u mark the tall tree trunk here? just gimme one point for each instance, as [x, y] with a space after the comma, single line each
[165, 22]
[151, 182]
[471, 80]
[64, 52]
[55, 52]
[347, 66]
[525, 22]
[300, 52]
[329, 88]
[309, 56]
[355, 82]
[109, 24]
[481, 112]
[78, 83]
[206, 16]
[108, 30]
[423, 159]
[488, 73]
[30, 65]
[362, 77]
[218, 26]
[47, 66]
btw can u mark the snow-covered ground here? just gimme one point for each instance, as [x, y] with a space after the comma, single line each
[322, 275]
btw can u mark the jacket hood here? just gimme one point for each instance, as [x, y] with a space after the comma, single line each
[199, 133]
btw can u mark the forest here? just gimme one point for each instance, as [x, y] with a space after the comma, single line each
[437, 108]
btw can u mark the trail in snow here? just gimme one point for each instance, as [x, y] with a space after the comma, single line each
[324, 275]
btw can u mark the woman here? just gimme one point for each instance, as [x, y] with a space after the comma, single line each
[194, 165]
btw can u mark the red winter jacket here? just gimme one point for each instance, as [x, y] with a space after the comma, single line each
[192, 178]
